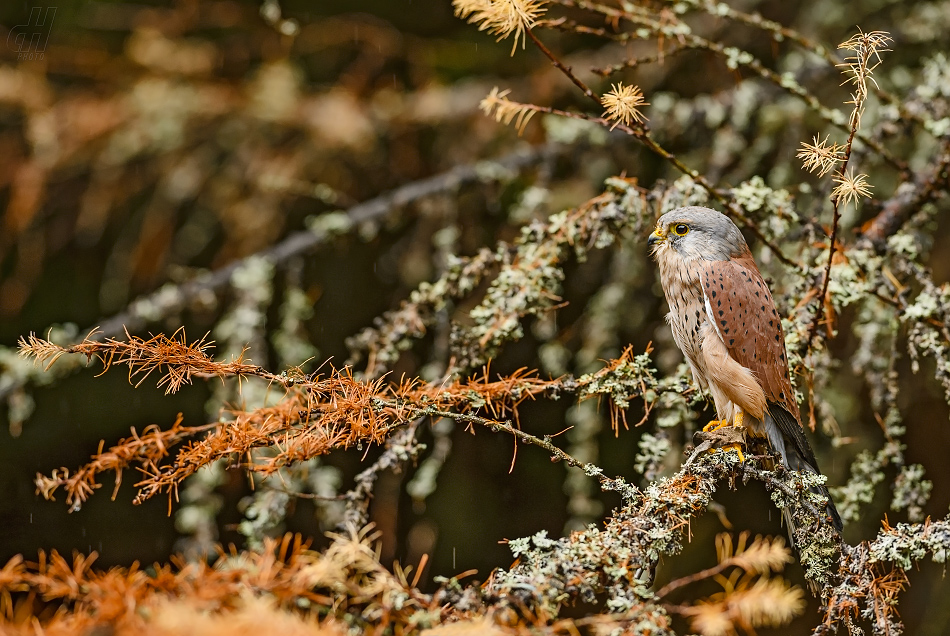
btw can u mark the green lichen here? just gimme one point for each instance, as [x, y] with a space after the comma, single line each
[621, 383]
[911, 491]
[906, 544]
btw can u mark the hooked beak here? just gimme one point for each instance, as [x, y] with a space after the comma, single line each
[658, 236]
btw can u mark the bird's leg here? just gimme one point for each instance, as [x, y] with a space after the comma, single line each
[715, 425]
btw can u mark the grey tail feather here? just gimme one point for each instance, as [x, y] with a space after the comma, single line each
[787, 438]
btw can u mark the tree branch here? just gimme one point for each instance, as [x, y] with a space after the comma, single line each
[303, 242]
[173, 298]
[906, 201]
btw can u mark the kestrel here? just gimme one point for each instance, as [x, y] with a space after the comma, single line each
[724, 320]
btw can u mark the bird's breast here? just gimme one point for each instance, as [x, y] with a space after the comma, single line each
[687, 315]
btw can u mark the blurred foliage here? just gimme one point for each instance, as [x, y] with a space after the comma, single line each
[317, 187]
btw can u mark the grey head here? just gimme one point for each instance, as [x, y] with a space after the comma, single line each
[696, 232]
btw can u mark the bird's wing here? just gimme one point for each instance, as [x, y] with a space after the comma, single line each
[740, 307]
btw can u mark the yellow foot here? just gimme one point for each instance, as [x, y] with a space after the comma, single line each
[715, 425]
[735, 447]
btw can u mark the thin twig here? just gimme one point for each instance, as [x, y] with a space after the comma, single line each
[752, 63]
[508, 427]
[640, 61]
[675, 584]
[641, 132]
[564, 69]
[819, 312]
[835, 221]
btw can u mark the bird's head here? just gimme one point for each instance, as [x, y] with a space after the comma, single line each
[696, 233]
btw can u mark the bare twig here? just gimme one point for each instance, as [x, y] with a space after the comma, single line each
[865, 47]
[564, 69]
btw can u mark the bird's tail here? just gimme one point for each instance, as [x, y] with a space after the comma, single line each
[797, 455]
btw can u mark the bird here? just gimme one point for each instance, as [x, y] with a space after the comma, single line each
[725, 322]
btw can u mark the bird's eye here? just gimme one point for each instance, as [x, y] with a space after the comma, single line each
[680, 229]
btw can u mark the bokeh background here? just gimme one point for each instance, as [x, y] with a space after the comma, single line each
[156, 140]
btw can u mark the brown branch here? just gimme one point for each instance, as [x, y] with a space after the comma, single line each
[316, 415]
[180, 360]
[906, 201]
[144, 450]
[564, 69]
[836, 217]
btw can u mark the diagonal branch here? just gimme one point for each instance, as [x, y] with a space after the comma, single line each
[173, 298]
[305, 241]
[907, 200]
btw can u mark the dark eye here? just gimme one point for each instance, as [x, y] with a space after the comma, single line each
[680, 229]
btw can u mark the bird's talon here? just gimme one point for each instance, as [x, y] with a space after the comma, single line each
[737, 448]
[715, 425]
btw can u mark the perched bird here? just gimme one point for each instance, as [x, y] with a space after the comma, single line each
[724, 320]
